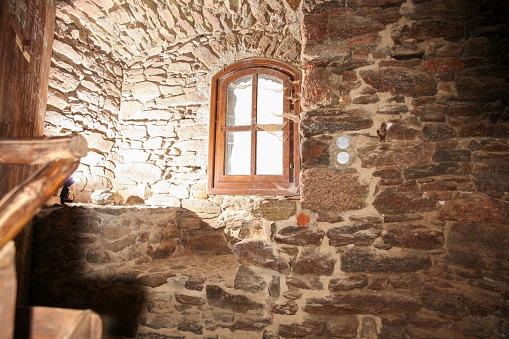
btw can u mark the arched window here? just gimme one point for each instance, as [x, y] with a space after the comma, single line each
[254, 138]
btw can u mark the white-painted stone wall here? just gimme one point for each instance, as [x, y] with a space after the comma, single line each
[145, 113]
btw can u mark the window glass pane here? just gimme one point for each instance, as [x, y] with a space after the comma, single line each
[270, 100]
[237, 153]
[269, 153]
[239, 102]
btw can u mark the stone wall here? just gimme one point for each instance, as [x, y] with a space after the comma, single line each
[84, 97]
[408, 239]
[142, 98]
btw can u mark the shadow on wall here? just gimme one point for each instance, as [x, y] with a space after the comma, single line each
[110, 260]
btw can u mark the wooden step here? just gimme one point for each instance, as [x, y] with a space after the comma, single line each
[39, 322]
[8, 287]
[56, 323]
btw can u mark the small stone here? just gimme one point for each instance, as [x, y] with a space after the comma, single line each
[154, 279]
[218, 297]
[314, 262]
[289, 307]
[401, 81]
[308, 328]
[98, 256]
[259, 253]
[315, 152]
[489, 254]
[349, 283]
[342, 327]
[247, 280]
[145, 91]
[299, 236]
[361, 302]
[276, 209]
[189, 299]
[369, 328]
[474, 208]
[394, 154]
[437, 132]
[413, 236]
[334, 121]
[404, 199]
[275, 286]
[360, 235]
[452, 155]
[366, 260]
[303, 219]
[103, 197]
[209, 244]
[424, 170]
[250, 323]
[430, 29]
[462, 300]
[188, 325]
[194, 283]
[63, 81]
[306, 283]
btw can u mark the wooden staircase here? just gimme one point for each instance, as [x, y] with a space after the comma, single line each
[59, 157]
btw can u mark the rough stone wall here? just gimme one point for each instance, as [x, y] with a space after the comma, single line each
[406, 240]
[84, 97]
[420, 90]
[134, 78]
[164, 115]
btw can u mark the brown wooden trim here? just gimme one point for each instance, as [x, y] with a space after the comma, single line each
[254, 113]
[287, 184]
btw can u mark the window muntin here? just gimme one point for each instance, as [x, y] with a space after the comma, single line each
[253, 145]
[239, 98]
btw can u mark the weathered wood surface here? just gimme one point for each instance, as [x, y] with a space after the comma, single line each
[7, 290]
[57, 323]
[41, 150]
[23, 83]
[25, 200]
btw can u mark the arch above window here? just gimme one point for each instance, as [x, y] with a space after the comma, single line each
[254, 137]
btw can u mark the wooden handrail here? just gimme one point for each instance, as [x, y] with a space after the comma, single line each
[42, 150]
[21, 204]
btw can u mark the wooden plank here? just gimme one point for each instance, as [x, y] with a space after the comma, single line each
[57, 323]
[8, 287]
[42, 150]
[41, 17]
[24, 85]
[24, 201]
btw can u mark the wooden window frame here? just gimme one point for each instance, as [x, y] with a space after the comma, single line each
[286, 184]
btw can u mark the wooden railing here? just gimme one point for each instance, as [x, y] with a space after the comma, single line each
[58, 156]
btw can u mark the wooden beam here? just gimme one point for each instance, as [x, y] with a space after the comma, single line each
[25, 200]
[42, 150]
[23, 84]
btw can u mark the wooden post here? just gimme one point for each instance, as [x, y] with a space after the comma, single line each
[23, 83]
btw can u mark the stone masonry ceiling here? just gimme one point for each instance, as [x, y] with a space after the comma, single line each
[131, 29]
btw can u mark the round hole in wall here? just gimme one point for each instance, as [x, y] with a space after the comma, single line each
[343, 158]
[342, 142]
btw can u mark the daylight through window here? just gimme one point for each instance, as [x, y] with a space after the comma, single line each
[254, 130]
